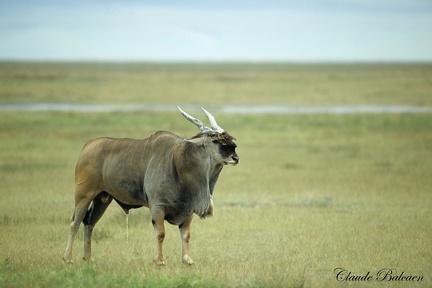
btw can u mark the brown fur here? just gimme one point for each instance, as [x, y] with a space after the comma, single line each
[223, 138]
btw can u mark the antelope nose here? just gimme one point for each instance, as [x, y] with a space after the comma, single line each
[236, 158]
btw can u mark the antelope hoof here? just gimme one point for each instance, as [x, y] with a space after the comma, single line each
[188, 260]
[159, 262]
[90, 260]
[66, 261]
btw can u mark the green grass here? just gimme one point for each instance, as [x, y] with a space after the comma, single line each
[312, 193]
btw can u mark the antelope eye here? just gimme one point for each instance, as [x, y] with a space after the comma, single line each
[226, 149]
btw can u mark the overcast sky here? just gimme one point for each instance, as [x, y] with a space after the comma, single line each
[313, 30]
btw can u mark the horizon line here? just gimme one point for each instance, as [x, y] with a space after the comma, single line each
[213, 61]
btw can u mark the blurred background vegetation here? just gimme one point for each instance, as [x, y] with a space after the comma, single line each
[211, 83]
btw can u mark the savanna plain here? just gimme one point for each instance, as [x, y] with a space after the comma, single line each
[312, 193]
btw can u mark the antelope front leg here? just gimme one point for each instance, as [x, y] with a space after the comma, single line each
[159, 230]
[185, 236]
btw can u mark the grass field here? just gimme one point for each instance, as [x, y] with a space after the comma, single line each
[262, 84]
[312, 192]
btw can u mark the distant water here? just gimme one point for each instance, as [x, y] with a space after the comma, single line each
[232, 109]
